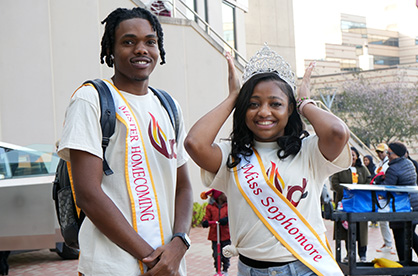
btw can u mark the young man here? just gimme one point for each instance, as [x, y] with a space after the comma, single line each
[138, 217]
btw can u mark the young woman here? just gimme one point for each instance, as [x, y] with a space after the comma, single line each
[271, 172]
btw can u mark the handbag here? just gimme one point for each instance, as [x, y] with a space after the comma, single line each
[363, 201]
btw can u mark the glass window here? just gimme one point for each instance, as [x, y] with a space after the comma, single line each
[228, 20]
[388, 61]
[416, 58]
[25, 162]
[353, 27]
[383, 40]
[416, 40]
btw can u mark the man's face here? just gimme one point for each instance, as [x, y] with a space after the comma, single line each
[381, 154]
[135, 51]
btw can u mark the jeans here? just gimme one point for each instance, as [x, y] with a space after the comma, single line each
[295, 268]
[386, 234]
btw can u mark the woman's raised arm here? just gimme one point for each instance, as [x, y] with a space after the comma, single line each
[332, 132]
[199, 141]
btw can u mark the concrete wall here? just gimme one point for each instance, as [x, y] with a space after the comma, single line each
[271, 21]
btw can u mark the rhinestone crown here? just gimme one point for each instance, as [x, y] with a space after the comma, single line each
[266, 60]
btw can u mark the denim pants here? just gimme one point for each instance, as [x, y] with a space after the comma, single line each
[295, 268]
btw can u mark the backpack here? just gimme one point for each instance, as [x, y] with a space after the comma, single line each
[70, 217]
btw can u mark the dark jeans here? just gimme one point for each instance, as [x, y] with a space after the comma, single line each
[224, 260]
[399, 236]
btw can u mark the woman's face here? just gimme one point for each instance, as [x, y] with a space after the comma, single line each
[268, 111]
[354, 158]
[366, 161]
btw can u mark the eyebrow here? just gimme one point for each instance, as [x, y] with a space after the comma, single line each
[270, 97]
[147, 36]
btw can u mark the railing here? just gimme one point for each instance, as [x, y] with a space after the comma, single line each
[206, 28]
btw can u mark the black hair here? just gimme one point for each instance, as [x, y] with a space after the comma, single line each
[113, 20]
[242, 139]
[358, 159]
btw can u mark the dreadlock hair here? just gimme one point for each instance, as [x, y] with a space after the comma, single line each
[112, 22]
[242, 138]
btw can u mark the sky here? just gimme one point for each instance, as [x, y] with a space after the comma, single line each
[318, 22]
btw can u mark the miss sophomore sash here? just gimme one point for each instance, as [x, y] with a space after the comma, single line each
[138, 174]
[282, 218]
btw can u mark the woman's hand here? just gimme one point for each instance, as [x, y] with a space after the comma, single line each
[233, 80]
[304, 90]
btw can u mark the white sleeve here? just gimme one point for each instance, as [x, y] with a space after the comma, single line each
[82, 130]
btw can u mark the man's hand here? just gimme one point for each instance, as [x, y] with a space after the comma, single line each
[165, 260]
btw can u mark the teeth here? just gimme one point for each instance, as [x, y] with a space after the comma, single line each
[141, 62]
[265, 123]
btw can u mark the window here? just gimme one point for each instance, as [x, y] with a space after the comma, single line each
[228, 20]
[383, 40]
[416, 58]
[353, 27]
[388, 61]
[416, 40]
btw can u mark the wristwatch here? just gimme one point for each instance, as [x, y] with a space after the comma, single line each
[184, 237]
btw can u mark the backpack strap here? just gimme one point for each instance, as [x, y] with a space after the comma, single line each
[169, 105]
[107, 117]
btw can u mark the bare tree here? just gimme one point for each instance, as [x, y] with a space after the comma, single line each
[379, 112]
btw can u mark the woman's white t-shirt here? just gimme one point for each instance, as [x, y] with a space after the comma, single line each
[304, 176]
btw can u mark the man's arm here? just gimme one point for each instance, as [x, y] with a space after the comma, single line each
[170, 255]
[87, 176]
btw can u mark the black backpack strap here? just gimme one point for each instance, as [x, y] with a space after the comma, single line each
[169, 105]
[107, 118]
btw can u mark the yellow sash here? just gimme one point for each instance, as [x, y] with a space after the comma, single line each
[138, 173]
[283, 220]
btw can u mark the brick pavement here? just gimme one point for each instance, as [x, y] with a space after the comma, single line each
[199, 257]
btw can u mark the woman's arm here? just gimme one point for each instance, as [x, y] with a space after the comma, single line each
[332, 132]
[199, 141]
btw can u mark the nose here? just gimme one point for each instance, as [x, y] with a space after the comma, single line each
[141, 49]
[264, 110]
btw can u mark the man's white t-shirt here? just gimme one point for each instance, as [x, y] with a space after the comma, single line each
[303, 174]
[82, 131]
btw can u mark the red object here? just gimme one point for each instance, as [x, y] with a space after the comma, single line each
[214, 214]
[212, 192]
[218, 247]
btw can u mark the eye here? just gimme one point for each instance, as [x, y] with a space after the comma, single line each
[253, 105]
[276, 104]
[128, 42]
[152, 42]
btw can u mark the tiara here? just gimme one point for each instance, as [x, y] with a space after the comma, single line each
[265, 61]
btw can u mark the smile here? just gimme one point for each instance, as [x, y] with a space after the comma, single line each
[265, 123]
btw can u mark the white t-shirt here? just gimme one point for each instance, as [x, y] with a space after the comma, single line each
[249, 235]
[383, 165]
[82, 131]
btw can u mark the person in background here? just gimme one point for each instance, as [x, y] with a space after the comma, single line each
[401, 171]
[217, 210]
[413, 162]
[368, 162]
[137, 218]
[356, 174]
[381, 168]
